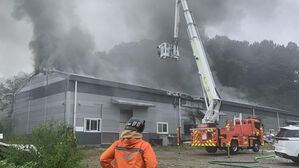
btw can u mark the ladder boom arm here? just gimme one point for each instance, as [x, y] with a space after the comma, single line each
[170, 50]
[209, 88]
[176, 22]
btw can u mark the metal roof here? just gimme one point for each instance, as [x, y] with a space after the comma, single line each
[130, 102]
[258, 107]
[140, 88]
[135, 87]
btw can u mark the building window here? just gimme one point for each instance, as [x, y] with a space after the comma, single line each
[162, 127]
[92, 124]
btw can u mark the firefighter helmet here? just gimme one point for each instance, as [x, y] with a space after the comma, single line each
[135, 125]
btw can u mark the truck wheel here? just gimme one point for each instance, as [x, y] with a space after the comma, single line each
[210, 149]
[296, 160]
[256, 146]
[234, 148]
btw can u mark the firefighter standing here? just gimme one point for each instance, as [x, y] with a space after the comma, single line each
[130, 151]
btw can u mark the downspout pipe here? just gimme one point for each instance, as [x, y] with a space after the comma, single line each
[278, 121]
[179, 109]
[75, 106]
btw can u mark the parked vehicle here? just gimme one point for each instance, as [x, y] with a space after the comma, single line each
[287, 143]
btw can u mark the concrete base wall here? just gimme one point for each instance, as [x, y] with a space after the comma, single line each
[84, 138]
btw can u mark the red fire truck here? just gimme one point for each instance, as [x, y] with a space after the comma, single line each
[238, 134]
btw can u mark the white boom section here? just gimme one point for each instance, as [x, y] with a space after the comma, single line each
[166, 50]
[176, 26]
[211, 95]
[171, 50]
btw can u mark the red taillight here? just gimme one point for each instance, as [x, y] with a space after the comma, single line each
[203, 125]
[282, 139]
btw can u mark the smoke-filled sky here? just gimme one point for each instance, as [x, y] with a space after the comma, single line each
[40, 33]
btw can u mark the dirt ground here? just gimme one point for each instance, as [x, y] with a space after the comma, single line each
[193, 158]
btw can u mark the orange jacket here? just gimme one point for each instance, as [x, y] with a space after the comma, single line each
[129, 153]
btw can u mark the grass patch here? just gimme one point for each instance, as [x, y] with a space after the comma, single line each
[92, 150]
[183, 147]
[268, 147]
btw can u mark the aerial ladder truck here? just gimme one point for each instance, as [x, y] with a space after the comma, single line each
[239, 133]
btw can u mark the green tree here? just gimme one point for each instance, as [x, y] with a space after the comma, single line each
[266, 72]
[7, 91]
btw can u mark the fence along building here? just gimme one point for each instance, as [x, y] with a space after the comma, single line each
[99, 108]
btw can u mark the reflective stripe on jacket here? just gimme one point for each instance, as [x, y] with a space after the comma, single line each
[129, 153]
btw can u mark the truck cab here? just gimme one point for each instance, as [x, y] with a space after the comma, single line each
[243, 133]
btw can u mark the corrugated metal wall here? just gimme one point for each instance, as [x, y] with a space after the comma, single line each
[44, 98]
[98, 106]
[38, 102]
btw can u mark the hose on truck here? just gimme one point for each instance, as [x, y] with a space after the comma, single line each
[237, 163]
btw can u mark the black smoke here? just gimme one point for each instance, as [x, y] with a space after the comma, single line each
[60, 42]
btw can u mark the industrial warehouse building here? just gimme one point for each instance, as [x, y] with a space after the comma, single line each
[98, 109]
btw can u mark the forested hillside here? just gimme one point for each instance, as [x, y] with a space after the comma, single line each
[265, 71]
